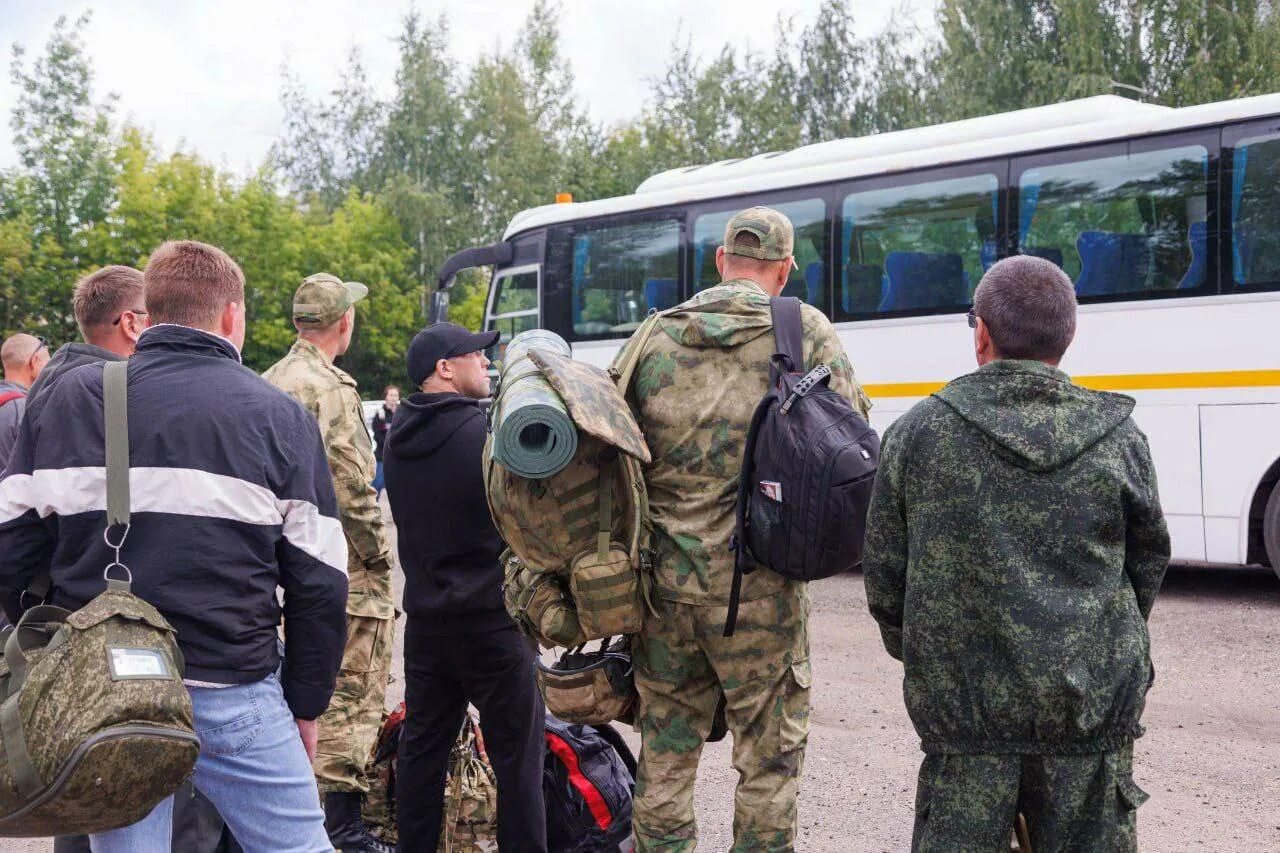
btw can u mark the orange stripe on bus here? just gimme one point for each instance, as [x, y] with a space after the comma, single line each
[1115, 382]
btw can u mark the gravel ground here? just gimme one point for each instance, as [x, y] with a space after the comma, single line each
[1210, 759]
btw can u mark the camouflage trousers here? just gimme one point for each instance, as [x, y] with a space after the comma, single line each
[349, 727]
[683, 664]
[1072, 803]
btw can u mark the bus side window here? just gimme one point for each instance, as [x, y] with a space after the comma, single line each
[919, 248]
[807, 281]
[621, 272]
[1255, 211]
[1122, 224]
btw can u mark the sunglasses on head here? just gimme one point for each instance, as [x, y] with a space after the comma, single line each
[973, 319]
[42, 341]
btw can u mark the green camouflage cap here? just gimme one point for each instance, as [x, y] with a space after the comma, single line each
[771, 228]
[322, 299]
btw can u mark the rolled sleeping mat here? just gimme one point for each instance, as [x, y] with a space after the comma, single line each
[533, 434]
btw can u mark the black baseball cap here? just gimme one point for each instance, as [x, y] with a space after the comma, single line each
[443, 340]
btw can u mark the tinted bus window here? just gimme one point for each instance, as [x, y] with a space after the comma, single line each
[1122, 224]
[808, 218]
[622, 271]
[1255, 211]
[917, 248]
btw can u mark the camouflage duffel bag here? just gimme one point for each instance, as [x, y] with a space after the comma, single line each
[591, 688]
[96, 725]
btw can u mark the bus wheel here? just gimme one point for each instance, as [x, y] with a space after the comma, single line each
[1271, 529]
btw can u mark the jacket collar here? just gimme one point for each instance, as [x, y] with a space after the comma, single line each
[92, 350]
[170, 337]
[303, 348]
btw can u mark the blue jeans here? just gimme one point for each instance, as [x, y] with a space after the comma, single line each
[379, 482]
[252, 766]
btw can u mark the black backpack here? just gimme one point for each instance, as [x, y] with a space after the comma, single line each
[807, 471]
[587, 781]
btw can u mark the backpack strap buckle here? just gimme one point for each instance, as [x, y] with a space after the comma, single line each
[804, 386]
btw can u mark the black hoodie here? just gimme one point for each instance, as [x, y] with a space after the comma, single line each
[448, 546]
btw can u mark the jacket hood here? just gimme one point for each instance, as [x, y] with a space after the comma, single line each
[727, 315]
[424, 422]
[1034, 414]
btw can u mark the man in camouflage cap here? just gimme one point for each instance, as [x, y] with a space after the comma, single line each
[1015, 545]
[324, 314]
[699, 378]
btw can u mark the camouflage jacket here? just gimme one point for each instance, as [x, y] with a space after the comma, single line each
[330, 395]
[1015, 545]
[701, 376]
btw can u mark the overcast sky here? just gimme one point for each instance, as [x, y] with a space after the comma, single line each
[207, 73]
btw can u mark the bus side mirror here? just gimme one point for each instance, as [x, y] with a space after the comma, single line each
[438, 309]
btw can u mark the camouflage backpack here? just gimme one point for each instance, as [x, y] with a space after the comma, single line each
[578, 565]
[95, 723]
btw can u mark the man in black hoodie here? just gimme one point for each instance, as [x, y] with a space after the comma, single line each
[460, 646]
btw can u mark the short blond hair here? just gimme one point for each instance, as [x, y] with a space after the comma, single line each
[190, 283]
[102, 296]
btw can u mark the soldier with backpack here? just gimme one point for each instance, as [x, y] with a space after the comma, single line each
[701, 374]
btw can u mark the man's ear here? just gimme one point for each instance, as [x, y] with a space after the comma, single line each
[133, 325]
[720, 260]
[228, 319]
[444, 369]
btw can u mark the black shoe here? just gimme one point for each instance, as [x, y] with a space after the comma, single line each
[346, 828]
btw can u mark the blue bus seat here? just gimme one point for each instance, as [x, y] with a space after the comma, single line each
[1049, 253]
[661, 293]
[813, 283]
[1198, 237]
[923, 280]
[988, 254]
[863, 288]
[1112, 262]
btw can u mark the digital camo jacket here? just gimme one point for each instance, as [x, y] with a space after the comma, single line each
[703, 371]
[1015, 545]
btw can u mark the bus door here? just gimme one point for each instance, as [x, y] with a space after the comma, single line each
[513, 305]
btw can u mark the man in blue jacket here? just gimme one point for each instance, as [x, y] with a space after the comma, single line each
[231, 498]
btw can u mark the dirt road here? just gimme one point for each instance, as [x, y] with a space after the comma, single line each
[1210, 760]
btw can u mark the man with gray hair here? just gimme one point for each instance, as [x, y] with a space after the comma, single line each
[1015, 546]
[23, 356]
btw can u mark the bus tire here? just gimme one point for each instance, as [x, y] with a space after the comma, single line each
[1271, 529]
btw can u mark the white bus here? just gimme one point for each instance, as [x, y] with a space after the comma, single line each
[1168, 221]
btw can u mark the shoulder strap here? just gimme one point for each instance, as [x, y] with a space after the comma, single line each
[626, 370]
[115, 409]
[115, 415]
[739, 542]
[10, 396]
[788, 334]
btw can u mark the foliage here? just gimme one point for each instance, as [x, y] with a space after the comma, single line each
[383, 189]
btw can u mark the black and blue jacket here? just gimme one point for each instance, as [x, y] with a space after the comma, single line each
[231, 497]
